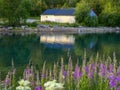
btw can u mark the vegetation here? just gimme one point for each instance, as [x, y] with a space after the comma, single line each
[13, 11]
[108, 11]
[95, 74]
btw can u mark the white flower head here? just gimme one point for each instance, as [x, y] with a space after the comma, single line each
[52, 85]
[20, 88]
[23, 82]
[27, 88]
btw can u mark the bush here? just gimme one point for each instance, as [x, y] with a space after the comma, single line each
[82, 15]
[82, 11]
[91, 21]
[109, 19]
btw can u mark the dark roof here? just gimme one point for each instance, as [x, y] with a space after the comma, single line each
[57, 45]
[59, 12]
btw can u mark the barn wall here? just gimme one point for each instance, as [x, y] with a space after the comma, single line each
[58, 18]
[47, 18]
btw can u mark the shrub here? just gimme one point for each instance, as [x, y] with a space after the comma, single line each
[82, 15]
[109, 19]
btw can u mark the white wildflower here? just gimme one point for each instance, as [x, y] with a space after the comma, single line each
[20, 88]
[23, 82]
[52, 85]
[24, 85]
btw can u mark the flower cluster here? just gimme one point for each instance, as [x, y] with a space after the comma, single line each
[53, 85]
[103, 75]
[23, 85]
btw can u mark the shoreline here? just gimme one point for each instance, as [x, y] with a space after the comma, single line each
[60, 30]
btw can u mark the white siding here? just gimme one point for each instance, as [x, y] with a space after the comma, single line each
[58, 18]
[47, 18]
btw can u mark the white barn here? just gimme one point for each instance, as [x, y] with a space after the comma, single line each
[59, 15]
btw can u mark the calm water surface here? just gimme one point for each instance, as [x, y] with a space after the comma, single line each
[51, 48]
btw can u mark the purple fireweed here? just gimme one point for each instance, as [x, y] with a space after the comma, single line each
[27, 71]
[111, 76]
[118, 88]
[103, 70]
[7, 80]
[94, 68]
[90, 71]
[118, 78]
[111, 68]
[86, 68]
[118, 71]
[43, 76]
[38, 88]
[65, 74]
[112, 80]
[113, 83]
[90, 75]
[77, 74]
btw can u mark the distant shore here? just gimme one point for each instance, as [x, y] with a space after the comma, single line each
[60, 30]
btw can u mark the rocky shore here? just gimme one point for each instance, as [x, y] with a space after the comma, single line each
[59, 30]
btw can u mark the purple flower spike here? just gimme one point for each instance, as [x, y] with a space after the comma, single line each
[7, 81]
[77, 74]
[65, 74]
[112, 80]
[90, 75]
[28, 71]
[113, 83]
[103, 70]
[38, 88]
[110, 68]
[43, 76]
[118, 78]
[118, 88]
[86, 69]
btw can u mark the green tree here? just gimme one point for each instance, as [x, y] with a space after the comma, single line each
[38, 6]
[13, 11]
[83, 14]
[110, 15]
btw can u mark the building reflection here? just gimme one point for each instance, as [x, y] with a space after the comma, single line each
[58, 41]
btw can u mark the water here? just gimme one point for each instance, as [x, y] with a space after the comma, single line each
[51, 48]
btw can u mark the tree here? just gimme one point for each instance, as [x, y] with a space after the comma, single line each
[38, 6]
[110, 15]
[13, 11]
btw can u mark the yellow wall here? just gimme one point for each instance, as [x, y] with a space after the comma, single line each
[58, 18]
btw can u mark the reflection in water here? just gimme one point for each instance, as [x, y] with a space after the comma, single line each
[58, 41]
[51, 48]
[92, 44]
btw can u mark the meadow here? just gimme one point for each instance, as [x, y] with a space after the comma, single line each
[99, 73]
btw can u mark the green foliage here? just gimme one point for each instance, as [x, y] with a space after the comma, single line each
[37, 7]
[91, 21]
[82, 14]
[82, 11]
[13, 11]
[110, 15]
[108, 12]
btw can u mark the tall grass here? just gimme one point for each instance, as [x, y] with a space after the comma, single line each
[95, 74]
